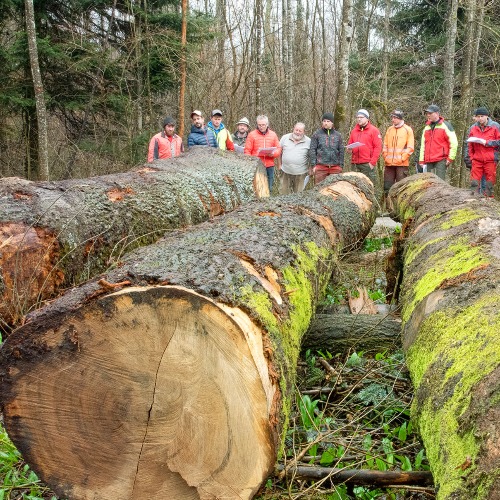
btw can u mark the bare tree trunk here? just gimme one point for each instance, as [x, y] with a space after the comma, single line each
[258, 53]
[183, 68]
[385, 69]
[41, 112]
[341, 102]
[449, 59]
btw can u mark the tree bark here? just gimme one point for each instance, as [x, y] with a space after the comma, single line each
[450, 294]
[58, 234]
[344, 332]
[179, 384]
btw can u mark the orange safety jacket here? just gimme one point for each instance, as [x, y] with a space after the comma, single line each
[160, 147]
[399, 144]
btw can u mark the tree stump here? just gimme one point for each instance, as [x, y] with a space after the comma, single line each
[58, 234]
[450, 294]
[171, 376]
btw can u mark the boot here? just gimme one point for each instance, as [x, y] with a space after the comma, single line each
[474, 187]
[488, 192]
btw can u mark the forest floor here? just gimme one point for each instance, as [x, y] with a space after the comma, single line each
[351, 411]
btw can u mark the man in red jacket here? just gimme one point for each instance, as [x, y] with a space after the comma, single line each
[365, 145]
[165, 144]
[482, 151]
[264, 143]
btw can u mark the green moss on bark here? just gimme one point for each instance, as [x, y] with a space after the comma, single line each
[445, 264]
[455, 350]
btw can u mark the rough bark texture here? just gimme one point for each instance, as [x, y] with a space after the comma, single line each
[178, 385]
[57, 234]
[450, 295]
[343, 332]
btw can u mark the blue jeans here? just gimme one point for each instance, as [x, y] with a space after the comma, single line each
[270, 177]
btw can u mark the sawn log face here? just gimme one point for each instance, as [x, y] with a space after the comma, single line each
[59, 234]
[179, 385]
[450, 295]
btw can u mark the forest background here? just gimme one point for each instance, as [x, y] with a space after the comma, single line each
[106, 72]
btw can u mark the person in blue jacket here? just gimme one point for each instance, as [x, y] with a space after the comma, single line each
[200, 135]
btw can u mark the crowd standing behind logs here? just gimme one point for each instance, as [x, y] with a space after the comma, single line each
[438, 147]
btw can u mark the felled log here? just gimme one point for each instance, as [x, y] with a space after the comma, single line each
[343, 332]
[363, 477]
[450, 295]
[58, 234]
[179, 384]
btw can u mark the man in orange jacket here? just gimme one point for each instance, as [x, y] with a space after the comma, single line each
[399, 144]
[165, 144]
[264, 143]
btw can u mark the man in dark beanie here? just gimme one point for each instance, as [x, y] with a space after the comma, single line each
[326, 155]
[165, 144]
[482, 151]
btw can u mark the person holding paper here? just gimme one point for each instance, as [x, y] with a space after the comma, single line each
[482, 151]
[365, 155]
[326, 155]
[264, 143]
[294, 160]
[399, 144]
[439, 143]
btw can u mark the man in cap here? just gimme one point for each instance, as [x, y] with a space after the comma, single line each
[439, 143]
[365, 145]
[294, 160]
[200, 135]
[326, 155]
[165, 144]
[399, 144]
[264, 143]
[224, 139]
[482, 151]
[241, 133]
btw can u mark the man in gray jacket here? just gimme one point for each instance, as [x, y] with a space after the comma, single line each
[294, 160]
[326, 155]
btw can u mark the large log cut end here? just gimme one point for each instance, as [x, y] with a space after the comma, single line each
[179, 385]
[161, 386]
[450, 296]
[55, 234]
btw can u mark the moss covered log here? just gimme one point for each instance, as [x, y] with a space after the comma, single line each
[450, 295]
[171, 376]
[58, 234]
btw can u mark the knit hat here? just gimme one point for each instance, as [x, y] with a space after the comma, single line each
[244, 121]
[482, 111]
[168, 121]
[398, 114]
[196, 112]
[433, 108]
[363, 112]
[327, 116]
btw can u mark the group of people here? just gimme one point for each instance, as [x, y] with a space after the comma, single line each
[300, 157]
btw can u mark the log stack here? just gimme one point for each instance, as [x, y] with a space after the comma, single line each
[57, 234]
[450, 295]
[171, 376]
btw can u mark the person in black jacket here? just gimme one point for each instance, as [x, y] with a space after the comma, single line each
[326, 155]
